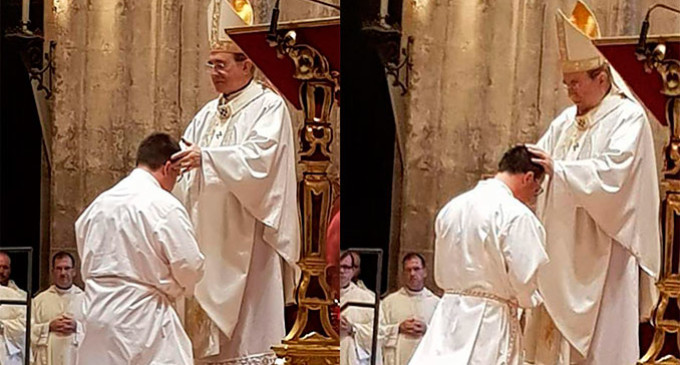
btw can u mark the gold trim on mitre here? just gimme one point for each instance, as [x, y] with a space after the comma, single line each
[574, 34]
[223, 14]
[584, 19]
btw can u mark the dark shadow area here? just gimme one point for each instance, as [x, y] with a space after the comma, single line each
[367, 143]
[20, 148]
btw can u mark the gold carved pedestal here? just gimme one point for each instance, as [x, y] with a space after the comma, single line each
[304, 345]
[666, 313]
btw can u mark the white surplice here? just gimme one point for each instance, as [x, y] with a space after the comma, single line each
[54, 348]
[13, 323]
[397, 307]
[355, 349]
[488, 248]
[138, 253]
[243, 203]
[601, 214]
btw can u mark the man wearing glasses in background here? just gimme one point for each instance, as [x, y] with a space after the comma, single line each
[356, 323]
[240, 189]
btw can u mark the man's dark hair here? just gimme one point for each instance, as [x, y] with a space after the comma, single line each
[412, 255]
[356, 262]
[156, 149]
[517, 160]
[352, 255]
[61, 255]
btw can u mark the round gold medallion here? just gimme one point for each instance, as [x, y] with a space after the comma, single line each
[582, 123]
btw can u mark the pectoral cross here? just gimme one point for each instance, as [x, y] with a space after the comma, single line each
[219, 134]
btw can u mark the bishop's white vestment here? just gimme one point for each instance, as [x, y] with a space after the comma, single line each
[12, 328]
[355, 348]
[51, 348]
[398, 307]
[243, 203]
[138, 254]
[488, 247]
[601, 215]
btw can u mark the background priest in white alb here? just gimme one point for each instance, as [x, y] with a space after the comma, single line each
[56, 332]
[241, 193]
[12, 328]
[407, 312]
[139, 254]
[489, 245]
[601, 213]
[356, 323]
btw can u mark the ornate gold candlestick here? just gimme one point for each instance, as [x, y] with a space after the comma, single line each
[310, 85]
[304, 345]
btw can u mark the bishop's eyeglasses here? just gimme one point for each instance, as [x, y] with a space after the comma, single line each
[217, 66]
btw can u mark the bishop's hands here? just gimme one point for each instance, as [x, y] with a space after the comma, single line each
[64, 325]
[542, 158]
[413, 327]
[189, 158]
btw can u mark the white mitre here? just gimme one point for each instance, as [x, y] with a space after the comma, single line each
[574, 34]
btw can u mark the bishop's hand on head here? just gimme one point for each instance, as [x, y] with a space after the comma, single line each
[189, 158]
[543, 158]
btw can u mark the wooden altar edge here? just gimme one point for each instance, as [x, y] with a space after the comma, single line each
[656, 38]
[287, 25]
[620, 52]
[323, 34]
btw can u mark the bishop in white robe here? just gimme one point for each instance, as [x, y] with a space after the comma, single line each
[240, 188]
[138, 254]
[601, 216]
[50, 348]
[600, 213]
[243, 203]
[488, 247]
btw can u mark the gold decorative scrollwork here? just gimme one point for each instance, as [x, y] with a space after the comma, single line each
[310, 64]
[311, 133]
[672, 163]
[668, 70]
[671, 77]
